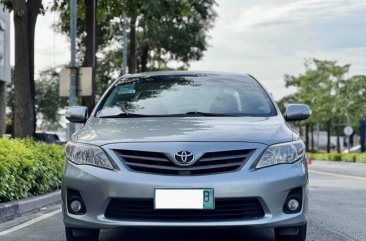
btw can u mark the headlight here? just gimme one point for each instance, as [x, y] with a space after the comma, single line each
[83, 154]
[282, 153]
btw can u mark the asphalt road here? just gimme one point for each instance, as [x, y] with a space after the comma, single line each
[337, 213]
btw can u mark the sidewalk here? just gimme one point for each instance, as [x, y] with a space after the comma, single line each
[11, 210]
[345, 168]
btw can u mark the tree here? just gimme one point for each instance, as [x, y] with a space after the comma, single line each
[319, 88]
[86, 30]
[353, 92]
[25, 18]
[173, 30]
[47, 102]
[159, 31]
[331, 96]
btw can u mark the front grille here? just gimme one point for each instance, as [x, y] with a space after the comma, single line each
[226, 209]
[209, 163]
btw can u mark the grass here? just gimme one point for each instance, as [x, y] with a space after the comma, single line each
[333, 156]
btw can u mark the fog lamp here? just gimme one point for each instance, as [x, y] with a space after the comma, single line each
[293, 204]
[76, 206]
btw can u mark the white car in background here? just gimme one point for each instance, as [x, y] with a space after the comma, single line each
[355, 149]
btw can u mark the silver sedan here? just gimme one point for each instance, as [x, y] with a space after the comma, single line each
[186, 149]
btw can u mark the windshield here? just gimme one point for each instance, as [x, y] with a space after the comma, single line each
[179, 95]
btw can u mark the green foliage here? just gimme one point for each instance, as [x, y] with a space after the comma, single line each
[174, 30]
[8, 4]
[361, 158]
[47, 98]
[331, 94]
[333, 156]
[319, 87]
[166, 30]
[29, 168]
[48, 101]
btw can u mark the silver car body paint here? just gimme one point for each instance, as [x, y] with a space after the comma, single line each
[169, 135]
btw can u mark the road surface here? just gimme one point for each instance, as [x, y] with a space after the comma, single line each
[337, 212]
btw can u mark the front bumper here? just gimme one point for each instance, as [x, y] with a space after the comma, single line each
[270, 185]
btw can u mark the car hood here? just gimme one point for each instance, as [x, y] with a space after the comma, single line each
[265, 130]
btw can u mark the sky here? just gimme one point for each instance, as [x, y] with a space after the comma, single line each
[265, 38]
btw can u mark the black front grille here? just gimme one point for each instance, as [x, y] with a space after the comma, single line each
[226, 209]
[209, 163]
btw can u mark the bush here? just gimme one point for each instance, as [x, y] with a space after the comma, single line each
[361, 158]
[346, 157]
[335, 157]
[29, 168]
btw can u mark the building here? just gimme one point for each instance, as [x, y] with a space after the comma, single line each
[5, 69]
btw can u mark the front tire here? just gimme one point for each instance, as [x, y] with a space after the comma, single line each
[81, 234]
[284, 234]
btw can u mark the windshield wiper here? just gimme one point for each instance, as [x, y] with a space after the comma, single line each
[197, 113]
[126, 115]
[133, 115]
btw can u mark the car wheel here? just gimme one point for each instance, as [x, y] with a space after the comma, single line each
[289, 234]
[81, 234]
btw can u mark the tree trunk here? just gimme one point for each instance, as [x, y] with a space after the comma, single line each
[312, 137]
[329, 125]
[350, 140]
[33, 12]
[132, 59]
[90, 50]
[2, 107]
[24, 115]
[338, 141]
[25, 18]
[144, 58]
[307, 137]
[300, 130]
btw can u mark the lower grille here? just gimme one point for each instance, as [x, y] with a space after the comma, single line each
[208, 163]
[226, 209]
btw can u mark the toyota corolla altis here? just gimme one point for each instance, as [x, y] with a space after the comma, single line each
[186, 149]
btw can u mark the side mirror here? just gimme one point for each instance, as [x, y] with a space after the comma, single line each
[77, 114]
[297, 112]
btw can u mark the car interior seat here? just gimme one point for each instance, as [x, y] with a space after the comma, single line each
[224, 103]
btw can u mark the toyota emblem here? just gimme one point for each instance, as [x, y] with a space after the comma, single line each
[184, 158]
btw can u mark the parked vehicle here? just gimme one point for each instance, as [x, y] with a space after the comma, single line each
[186, 149]
[355, 149]
[47, 137]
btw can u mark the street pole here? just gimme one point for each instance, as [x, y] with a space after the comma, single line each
[2, 108]
[318, 135]
[125, 44]
[348, 137]
[73, 64]
[94, 36]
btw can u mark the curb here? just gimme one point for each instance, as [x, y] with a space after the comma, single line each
[14, 209]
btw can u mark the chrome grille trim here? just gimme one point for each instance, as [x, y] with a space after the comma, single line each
[209, 163]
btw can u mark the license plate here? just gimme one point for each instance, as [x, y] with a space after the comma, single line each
[184, 198]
